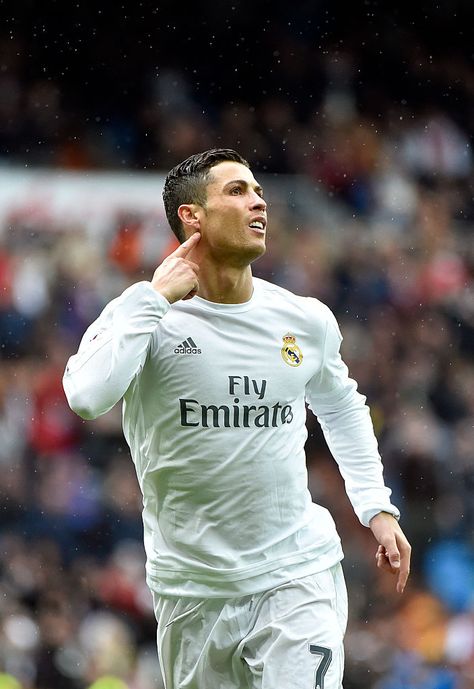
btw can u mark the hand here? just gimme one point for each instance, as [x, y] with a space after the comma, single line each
[394, 551]
[177, 277]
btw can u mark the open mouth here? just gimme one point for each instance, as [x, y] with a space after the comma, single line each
[258, 226]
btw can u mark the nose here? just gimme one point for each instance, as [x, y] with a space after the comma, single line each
[257, 203]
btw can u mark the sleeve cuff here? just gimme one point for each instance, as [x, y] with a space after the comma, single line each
[367, 515]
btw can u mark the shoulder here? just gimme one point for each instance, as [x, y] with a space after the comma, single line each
[310, 308]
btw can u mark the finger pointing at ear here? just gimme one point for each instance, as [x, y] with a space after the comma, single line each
[186, 247]
[177, 276]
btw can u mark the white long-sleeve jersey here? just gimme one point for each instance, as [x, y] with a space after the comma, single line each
[214, 413]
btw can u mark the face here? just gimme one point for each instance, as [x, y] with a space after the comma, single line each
[234, 219]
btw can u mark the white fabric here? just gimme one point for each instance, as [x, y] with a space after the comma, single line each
[215, 414]
[290, 637]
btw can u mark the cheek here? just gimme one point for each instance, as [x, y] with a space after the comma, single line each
[224, 226]
[227, 226]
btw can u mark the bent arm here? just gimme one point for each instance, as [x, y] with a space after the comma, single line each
[113, 351]
[347, 426]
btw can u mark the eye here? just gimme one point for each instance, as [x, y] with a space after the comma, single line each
[235, 191]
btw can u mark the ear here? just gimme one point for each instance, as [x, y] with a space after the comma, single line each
[189, 216]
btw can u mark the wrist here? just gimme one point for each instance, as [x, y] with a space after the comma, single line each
[384, 514]
[163, 292]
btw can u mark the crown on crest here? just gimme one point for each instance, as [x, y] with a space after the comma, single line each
[289, 339]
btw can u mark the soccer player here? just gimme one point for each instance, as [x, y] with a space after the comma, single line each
[215, 368]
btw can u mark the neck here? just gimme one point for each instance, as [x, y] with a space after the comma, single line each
[225, 284]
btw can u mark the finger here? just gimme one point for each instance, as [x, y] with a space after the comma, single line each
[383, 560]
[404, 566]
[392, 553]
[402, 570]
[402, 579]
[384, 563]
[394, 559]
[183, 249]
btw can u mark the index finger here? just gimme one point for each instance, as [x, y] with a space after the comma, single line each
[183, 249]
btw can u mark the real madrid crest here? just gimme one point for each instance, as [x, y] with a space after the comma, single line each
[291, 353]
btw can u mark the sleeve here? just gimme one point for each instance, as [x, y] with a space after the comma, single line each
[347, 426]
[113, 350]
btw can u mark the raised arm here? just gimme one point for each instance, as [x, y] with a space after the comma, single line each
[114, 348]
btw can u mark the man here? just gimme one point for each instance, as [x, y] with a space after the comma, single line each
[214, 367]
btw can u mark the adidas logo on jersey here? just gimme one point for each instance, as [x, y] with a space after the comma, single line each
[187, 347]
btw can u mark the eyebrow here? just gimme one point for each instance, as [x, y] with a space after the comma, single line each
[244, 183]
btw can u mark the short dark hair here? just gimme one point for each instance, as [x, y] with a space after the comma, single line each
[186, 182]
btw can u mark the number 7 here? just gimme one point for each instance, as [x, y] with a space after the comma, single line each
[326, 657]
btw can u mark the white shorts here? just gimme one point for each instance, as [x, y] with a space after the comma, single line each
[290, 637]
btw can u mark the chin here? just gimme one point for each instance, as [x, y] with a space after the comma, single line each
[241, 255]
[256, 251]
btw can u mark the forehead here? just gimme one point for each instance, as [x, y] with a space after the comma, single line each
[227, 171]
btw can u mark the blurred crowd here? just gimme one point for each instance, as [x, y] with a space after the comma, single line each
[392, 157]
